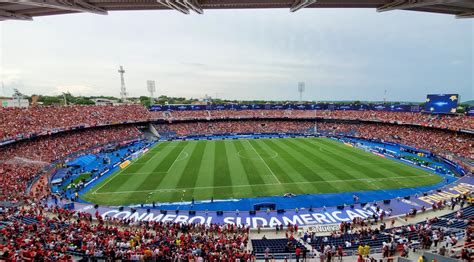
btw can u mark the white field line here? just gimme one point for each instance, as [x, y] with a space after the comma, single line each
[272, 184]
[145, 173]
[155, 152]
[121, 171]
[153, 157]
[108, 181]
[253, 158]
[176, 160]
[271, 171]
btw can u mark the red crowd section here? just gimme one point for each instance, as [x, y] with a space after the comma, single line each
[20, 162]
[437, 141]
[17, 123]
[451, 122]
[53, 234]
[221, 127]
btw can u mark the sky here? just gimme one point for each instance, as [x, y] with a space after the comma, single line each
[340, 54]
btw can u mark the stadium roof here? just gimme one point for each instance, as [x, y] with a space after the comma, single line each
[27, 9]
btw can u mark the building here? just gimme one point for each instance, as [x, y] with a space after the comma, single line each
[104, 102]
[9, 102]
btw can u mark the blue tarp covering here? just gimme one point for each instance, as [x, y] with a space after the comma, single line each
[82, 161]
[59, 174]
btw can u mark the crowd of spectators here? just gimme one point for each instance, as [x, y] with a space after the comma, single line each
[361, 235]
[451, 122]
[33, 232]
[221, 127]
[38, 233]
[22, 122]
[437, 141]
[434, 140]
[21, 161]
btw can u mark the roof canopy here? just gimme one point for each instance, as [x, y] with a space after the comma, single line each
[27, 9]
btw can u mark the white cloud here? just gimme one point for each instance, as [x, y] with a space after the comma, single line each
[10, 76]
[339, 53]
[76, 90]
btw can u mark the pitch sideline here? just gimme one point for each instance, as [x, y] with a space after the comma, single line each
[270, 184]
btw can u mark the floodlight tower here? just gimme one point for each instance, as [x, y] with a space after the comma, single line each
[123, 90]
[151, 88]
[301, 88]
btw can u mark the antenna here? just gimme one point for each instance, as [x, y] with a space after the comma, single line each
[3, 89]
[150, 84]
[301, 89]
[385, 96]
[123, 90]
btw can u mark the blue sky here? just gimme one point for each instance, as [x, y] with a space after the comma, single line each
[341, 54]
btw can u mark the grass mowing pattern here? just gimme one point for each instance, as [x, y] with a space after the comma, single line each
[180, 170]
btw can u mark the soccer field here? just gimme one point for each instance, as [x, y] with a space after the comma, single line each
[222, 169]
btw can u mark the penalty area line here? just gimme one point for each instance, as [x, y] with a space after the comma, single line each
[261, 158]
[112, 178]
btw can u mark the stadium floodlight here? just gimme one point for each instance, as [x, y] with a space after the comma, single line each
[123, 89]
[151, 88]
[301, 89]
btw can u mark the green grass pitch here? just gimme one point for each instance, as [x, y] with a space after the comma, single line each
[222, 169]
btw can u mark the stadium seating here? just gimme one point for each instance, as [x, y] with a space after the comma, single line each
[21, 123]
[276, 245]
[451, 122]
[41, 120]
[373, 240]
[262, 126]
[452, 221]
[34, 232]
[21, 162]
[58, 234]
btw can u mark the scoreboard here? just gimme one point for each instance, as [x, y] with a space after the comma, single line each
[441, 103]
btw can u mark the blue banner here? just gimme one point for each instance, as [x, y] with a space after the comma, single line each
[375, 107]
[470, 111]
[303, 217]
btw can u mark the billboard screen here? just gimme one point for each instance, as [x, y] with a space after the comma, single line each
[470, 111]
[441, 103]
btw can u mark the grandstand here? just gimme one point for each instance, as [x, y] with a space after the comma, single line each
[218, 161]
[58, 165]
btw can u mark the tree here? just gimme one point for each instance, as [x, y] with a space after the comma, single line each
[17, 94]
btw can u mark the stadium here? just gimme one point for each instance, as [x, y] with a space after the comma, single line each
[234, 181]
